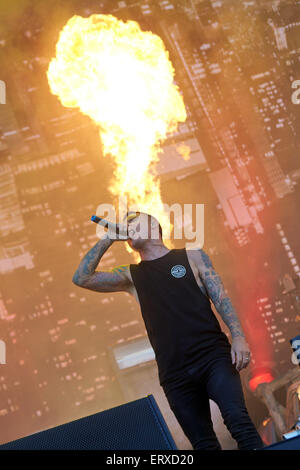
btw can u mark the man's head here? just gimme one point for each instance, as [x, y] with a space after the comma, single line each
[143, 229]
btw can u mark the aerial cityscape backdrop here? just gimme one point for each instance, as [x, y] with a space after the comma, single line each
[235, 62]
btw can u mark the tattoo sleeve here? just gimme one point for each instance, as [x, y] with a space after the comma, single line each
[216, 291]
[91, 260]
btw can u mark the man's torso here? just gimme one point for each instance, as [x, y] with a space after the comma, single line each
[177, 312]
[192, 259]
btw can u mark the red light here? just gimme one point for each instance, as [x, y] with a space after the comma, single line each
[258, 379]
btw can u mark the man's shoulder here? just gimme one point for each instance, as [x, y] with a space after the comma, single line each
[200, 257]
[194, 253]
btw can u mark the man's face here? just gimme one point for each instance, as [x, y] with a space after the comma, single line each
[139, 230]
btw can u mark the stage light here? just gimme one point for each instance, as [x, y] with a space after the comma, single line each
[259, 378]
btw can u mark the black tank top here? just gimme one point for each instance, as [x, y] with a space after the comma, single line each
[181, 325]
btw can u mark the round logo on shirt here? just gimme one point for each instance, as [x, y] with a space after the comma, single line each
[178, 270]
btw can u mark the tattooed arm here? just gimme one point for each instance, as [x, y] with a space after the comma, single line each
[117, 279]
[222, 302]
[216, 291]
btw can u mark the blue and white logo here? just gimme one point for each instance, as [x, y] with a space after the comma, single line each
[178, 270]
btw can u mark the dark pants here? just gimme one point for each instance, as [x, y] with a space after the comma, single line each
[189, 395]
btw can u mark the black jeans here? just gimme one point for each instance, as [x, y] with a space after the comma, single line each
[188, 397]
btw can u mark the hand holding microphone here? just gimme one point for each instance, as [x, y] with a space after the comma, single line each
[115, 232]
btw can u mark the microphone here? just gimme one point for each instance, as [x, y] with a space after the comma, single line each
[109, 225]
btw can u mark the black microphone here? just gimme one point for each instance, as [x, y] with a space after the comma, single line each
[110, 226]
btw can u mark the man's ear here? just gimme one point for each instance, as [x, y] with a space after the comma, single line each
[154, 224]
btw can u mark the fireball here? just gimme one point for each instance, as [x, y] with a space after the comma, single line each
[122, 78]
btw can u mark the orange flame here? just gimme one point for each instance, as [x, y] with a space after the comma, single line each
[184, 151]
[122, 78]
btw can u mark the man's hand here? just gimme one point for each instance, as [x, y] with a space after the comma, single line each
[240, 352]
[121, 233]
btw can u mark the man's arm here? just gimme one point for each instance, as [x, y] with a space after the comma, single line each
[222, 302]
[86, 276]
[216, 291]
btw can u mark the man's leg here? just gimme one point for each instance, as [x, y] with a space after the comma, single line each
[225, 389]
[190, 405]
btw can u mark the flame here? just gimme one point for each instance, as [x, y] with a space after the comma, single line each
[298, 392]
[122, 78]
[184, 151]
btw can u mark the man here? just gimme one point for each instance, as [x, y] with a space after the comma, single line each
[194, 357]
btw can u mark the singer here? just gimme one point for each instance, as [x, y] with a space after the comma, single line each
[195, 359]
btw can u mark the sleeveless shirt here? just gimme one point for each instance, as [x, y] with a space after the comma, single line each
[181, 325]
